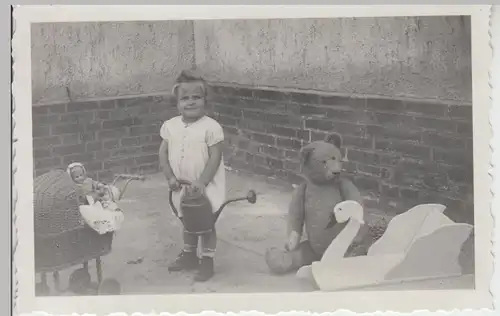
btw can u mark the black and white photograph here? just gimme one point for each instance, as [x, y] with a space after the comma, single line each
[266, 154]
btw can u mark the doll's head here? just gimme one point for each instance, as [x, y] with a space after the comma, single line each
[190, 90]
[322, 160]
[77, 172]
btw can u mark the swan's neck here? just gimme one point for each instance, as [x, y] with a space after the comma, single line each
[341, 243]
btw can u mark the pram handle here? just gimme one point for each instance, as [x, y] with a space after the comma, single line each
[251, 197]
[129, 178]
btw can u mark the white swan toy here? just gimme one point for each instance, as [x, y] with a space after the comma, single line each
[344, 211]
[421, 244]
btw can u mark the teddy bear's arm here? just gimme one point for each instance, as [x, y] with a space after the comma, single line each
[349, 191]
[296, 211]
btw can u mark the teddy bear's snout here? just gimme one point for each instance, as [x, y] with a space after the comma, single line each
[332, 169]
[332, 174]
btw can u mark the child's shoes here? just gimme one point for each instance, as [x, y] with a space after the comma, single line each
[185, 261]
[206, 270]
[190, 261]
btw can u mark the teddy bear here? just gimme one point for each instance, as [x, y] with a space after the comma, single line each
[311, 205]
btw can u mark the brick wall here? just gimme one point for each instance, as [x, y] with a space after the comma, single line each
[107, 136]
[399, 153]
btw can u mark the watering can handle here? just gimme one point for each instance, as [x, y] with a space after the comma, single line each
[184, 182]
[170, 193]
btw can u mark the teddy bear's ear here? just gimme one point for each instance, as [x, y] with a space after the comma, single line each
[335, 139]
[305, 153]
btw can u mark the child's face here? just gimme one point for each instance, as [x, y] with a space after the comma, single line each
[78, 175]
[191, 100]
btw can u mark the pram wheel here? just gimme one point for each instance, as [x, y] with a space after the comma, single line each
[80, 281]
[42, 288]
[109, 287]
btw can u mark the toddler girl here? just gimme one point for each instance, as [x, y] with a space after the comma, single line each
[192, 150]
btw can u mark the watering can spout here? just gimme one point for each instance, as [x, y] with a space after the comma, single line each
[251, 197]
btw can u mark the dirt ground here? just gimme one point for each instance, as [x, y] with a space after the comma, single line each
[150, 239]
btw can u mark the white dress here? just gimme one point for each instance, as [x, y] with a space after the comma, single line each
[188, 155]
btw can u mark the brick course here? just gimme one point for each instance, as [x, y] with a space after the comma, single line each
[399, 153]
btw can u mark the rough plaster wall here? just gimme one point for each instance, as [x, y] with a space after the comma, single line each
[108, 59]
[422, 57]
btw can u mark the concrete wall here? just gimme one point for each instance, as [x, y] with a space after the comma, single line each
[424, 57]
[420, 57]
[107, 59]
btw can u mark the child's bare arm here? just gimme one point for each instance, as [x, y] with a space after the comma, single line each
[213, 163]
[164, 163]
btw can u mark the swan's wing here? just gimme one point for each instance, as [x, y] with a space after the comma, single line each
[406, 227]
[434, 255]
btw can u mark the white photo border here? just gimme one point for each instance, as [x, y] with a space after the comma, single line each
[274, 303]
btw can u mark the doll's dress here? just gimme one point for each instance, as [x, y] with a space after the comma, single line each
[102, 214]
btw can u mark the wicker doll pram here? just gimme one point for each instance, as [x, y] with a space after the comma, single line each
[62, 238]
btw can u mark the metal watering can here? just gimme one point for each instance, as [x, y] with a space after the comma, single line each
[197, 214]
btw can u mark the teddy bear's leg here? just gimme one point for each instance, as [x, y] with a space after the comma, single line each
[279, 260]
[307, 254]
[282, 261]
